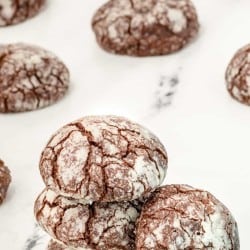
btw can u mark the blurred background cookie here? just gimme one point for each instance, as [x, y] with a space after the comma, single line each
[5, 179]
[145, 27]
[238, 76]
[30, 78]
[105, 159]
[181, 217]
[13, 12]
[100, 226]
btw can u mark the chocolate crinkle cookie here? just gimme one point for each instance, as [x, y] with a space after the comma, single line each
[104, 159]
[145, 27]
[238, 76]
[99, 226]
[30, 78]
[181, 217]
[5, 179]
[13, 11]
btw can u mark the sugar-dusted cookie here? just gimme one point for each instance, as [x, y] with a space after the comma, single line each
[181, 217]
[145, 27]
[238, 76]
[99, 226]
[103, 158]
[30, 78]
[13, 11]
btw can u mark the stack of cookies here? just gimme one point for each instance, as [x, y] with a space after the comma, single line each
[98, 171]
[103, 177]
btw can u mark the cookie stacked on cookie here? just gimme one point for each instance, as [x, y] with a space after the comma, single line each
[98, 171]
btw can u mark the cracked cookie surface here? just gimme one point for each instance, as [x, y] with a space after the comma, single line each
[16, 11]
[30, 78]
[99, 226]
[145, 27]
[5, 179]
[238, 75]
[181, 217]
[103, 158]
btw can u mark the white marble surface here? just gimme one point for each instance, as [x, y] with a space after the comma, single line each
[206, 133]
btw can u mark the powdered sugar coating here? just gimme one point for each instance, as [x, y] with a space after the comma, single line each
[55, 245]
[5, 180]
[103, 158]
[145, 27]
[100, 226]
[30, 78]
[181, 217]
[13, 11]
[238, 75]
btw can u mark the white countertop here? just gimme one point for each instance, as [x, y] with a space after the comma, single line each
[206, 133]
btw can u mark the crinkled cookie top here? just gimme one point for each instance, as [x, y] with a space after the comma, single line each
[30, 78]
[103, 158]
[181, 217]
[145, 27]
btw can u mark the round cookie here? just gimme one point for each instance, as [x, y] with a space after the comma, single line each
[100, 226]
[145, 27]
[30, 78]
[181, 217]
[238, 76]
[5, 179]
[13, 12]
[103, 158]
